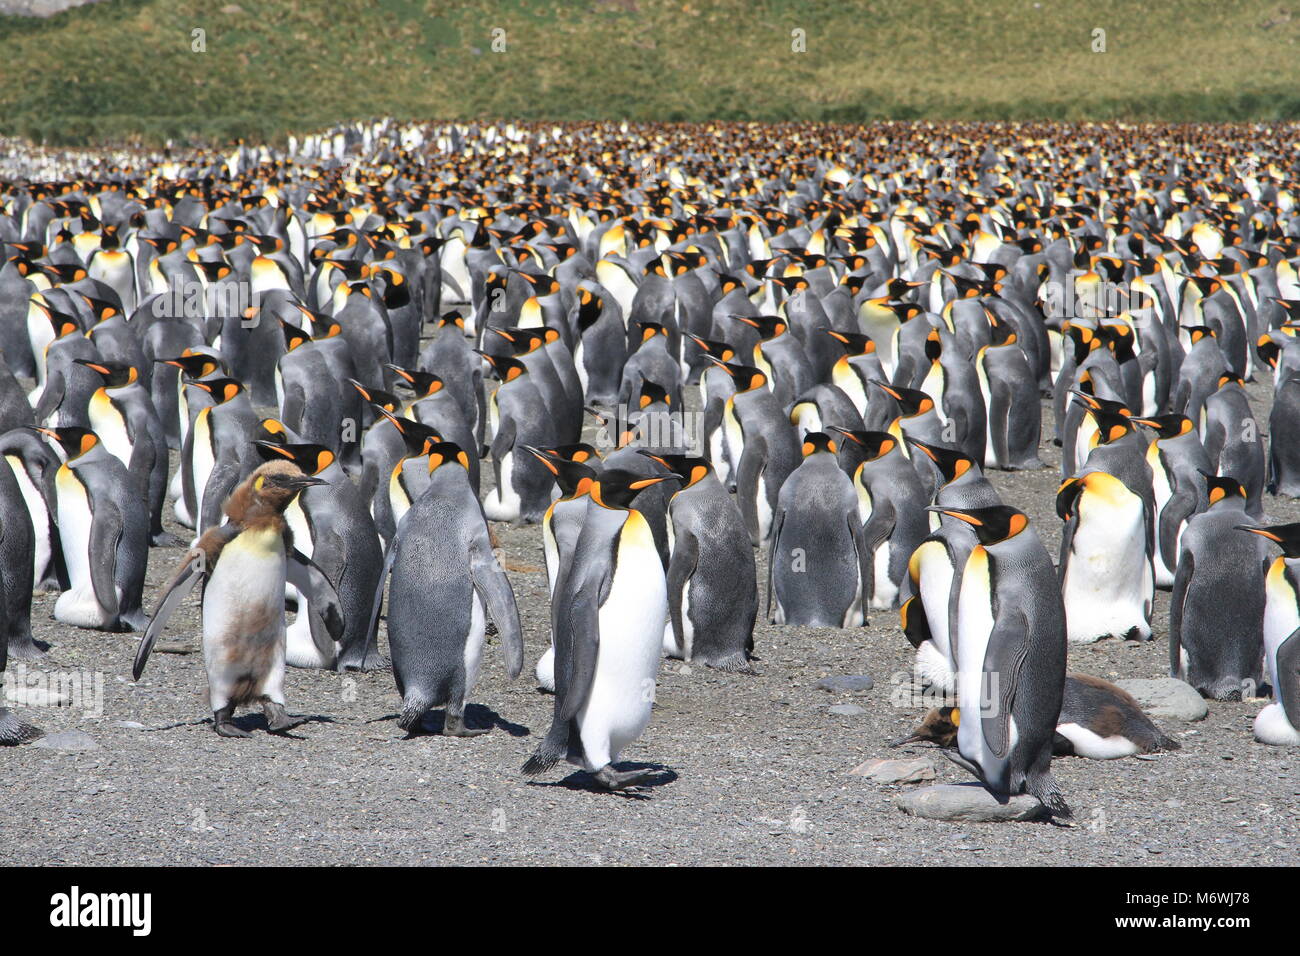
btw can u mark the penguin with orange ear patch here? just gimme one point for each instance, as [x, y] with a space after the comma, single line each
[446, 585]
[103, 534]
[712, 585]
[1233, 439]
[819, 565]
[1217, 645]
[245, 563]
[1011, 651]
[517, 416]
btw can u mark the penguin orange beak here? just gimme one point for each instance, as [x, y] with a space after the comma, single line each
[1262, 532]
[959, 515]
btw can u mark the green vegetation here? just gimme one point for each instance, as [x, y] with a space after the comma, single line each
[124, 69]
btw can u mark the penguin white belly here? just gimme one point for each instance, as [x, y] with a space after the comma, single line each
[671, 647]
[1272, 727]
[718, 456]
[735, 440]
[763, 508]
[934, 658]
[631, 620]
[77, 605]
[545, 671]
[1108, 576]
[990, 457]
[42, 546]
[580, 364]
[886, 589]
[974, 630]
[807, 419]
[107, 422]
[1094, 746]
[473, 656]
[243, 621]
[503, 502]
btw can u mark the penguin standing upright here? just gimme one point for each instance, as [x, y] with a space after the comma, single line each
[517, 416]
[16, 569]
[819, 566]
[1177, 459]
[560, 528]
[446, 585]
[103, 534]
[608, 620]
[1216, 610]
[244, 564]
[712, 583]
[13, 731]
[1278, 724]
[1011, 649]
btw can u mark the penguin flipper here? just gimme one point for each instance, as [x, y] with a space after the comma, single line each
[303, 574]
[866, 578]
[1182, 579]
[584, 622]
[1179, 508]
[999, 410]
[50, 400]
[1287, 691]
[106, 528]
[293, 406]
[777, 522]
[1008, 649]
[753, 462]
[502, 442]
[389, 558]
[493, 587]
[682, 564]
[193, 568]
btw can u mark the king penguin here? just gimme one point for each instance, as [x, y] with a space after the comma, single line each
[1011, 651]
[1278, 724]
[244, 563]
[608, 618]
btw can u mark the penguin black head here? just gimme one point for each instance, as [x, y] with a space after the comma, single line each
[221, 389]
[114, 374]
[746, 377]
[271, 430]
[522, 341]
[951, 462]
[386, 401]
[649, 330]
[1167, 426]
[1094, 404]
[507, 369]
[719, 350]
[445, 453]
[815, 443]
[1111, 426]
[1197, 332]
[573, 478]
[992, 525]
[423, 384]
[74, 441]
[1222, 487]
[616, 487]
[939, 726]
[911, 401]
[293, 336]
[652, 393]
[769, 326]
[194, 364]
[874, 444]
[62, 323]
[417, 435]
[687, 467]
[312, 459]
[852, 342]
[1287, 535]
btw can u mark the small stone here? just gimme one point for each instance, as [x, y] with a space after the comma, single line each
[72, 741]
[1167, 697]
[846, 710]
[174, 647]
[918, 770]
[128, 725]
[845, 683]
[969, 803]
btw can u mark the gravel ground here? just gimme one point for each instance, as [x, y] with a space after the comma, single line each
[753, 770]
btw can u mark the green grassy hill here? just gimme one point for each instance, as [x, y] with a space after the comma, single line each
[125, 67]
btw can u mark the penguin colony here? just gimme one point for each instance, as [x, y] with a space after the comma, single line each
[798, 348]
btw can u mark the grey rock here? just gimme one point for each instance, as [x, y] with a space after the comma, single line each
[846, 710]
[918, 770]
[128, 725]
[1167, 697]
[69, 740]
[845, 683]
[969, 803]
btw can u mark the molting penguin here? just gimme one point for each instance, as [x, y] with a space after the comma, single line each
[244, 564]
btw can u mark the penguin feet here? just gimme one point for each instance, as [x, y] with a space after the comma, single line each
[611, 779]
[223, 723]
[453, 725]
[278, 719]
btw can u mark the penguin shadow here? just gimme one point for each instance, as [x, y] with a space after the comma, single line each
[257, 722]
[476, 716]
[582, 781]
